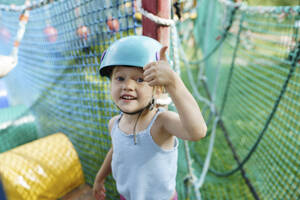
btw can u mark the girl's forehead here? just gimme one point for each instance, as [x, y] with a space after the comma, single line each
[128, 69]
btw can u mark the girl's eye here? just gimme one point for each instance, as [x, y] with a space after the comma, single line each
[119, 78]
[140, 80]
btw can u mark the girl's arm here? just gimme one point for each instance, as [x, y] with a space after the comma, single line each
[188, 124]
[104, 171]
[99, 191]
[190, 121]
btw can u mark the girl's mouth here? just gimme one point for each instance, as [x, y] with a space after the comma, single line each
[127, 97]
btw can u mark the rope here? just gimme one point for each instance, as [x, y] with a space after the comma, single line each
[26, 6]
[291, 71]
[20, 34]
[222, 39]
[212, 107]
[191, 79]
[9, 62]
[200, 182]
[274, 109]
[232, 66]
[260, 9]
[174, 35]
[191, 175]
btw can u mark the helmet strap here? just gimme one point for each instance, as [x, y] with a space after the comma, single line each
[150, 107]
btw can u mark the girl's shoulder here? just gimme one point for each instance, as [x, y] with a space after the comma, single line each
[166, 117]
[112, 122]
[160, 133]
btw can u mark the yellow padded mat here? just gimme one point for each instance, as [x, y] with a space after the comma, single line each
[44, 169]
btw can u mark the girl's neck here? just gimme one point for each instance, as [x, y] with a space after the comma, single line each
[132, 118]
[128, 122]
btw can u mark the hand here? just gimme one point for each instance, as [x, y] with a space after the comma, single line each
[159, 73]
[99, 190]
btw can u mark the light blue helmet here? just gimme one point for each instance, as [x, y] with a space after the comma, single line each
[136, 51]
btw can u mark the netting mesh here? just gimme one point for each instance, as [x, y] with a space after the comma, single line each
[250, 73]
[253, 80]
[57, 73]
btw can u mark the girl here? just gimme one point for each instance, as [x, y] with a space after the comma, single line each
[143, 156]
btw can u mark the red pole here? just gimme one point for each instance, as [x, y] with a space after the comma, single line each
[162, 9]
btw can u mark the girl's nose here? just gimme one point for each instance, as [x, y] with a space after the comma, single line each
[128, 84]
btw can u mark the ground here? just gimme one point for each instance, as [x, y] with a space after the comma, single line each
[83, 192]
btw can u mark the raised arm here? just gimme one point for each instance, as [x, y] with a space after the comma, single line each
[188, 124]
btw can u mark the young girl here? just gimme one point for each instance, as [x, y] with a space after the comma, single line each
[143, 156]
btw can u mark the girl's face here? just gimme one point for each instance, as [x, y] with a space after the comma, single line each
[129, 91]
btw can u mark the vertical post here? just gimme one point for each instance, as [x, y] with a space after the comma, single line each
[164, 11]
[161, 8]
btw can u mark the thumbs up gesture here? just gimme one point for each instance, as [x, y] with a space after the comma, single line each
[159, 73]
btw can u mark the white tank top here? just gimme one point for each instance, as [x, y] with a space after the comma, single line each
[143, 171]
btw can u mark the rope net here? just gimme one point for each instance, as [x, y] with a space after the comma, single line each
[240, 62]
[57, 76]
[250, 74]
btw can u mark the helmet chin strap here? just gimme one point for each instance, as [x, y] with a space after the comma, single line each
[150, 106]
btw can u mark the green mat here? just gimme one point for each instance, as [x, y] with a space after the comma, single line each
[17, 127]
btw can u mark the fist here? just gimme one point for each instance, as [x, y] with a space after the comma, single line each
[159, 73]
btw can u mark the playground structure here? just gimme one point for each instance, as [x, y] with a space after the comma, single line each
[240, 62]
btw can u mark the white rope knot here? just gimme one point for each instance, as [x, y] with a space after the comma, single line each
[154, 18]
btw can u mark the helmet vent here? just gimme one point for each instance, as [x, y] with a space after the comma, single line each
[102, 56]
[157, 56]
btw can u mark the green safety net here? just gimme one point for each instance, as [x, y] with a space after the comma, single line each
[245, 61]
[240, 62]
[57, 73]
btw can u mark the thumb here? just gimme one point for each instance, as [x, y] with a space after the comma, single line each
[162, 53]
